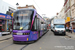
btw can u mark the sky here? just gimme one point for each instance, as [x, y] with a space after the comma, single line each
[47, 7]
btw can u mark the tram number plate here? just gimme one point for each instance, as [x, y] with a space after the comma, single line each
[19, 33]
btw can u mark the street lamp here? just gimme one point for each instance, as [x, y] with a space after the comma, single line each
[17, 4]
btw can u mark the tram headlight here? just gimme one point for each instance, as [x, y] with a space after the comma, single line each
[25, 33]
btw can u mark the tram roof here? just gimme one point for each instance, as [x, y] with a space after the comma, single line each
[25, 9]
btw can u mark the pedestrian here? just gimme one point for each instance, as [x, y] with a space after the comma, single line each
[10, 30]
[70, 29]
[66, 28]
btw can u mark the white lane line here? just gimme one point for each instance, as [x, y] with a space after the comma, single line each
[65, 38]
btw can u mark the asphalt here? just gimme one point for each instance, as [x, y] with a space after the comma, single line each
[52, 42]
[71, 35]
[5, 37]
[47, 42]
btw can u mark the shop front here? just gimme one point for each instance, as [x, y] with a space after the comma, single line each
[4, 23]
[73, 25]
[67, 23]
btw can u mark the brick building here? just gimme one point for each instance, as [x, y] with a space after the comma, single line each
[73, 13]
[27, 6]
[67, 11]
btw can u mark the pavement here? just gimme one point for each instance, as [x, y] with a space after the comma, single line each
[5, 37]
[71, 35]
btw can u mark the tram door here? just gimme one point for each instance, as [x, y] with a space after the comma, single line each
[38, 26]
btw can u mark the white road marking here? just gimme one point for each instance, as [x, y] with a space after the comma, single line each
[65, 38]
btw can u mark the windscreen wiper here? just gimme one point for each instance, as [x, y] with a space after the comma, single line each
[25, 25]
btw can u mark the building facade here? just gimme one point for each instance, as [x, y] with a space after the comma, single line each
[73, 13]
[27, 6]
[5, 18]
[61, 14]
[73, 8]
[67, 11]
[47, 21]
[4, 7]
[55, 17]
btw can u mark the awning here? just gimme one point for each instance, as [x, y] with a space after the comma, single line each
[72, 21]
[67, 22]
[4, 16]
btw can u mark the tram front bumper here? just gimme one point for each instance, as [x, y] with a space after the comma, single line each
[20, 37]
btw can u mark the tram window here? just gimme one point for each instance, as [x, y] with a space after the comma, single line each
[35, 24]
[16, 18]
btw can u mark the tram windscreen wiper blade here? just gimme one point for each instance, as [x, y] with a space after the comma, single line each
[25, 25]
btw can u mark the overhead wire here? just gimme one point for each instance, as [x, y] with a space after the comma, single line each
[36, 4]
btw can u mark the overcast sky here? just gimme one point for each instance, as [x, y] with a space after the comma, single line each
[48, 7]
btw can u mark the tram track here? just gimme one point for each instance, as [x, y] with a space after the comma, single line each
[1, 41]
[6, 46]
[29, 44]
[6, 39]
[11, 46]
[14, 47]
[24, 47]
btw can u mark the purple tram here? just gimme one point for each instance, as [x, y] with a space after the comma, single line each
[28, 25]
